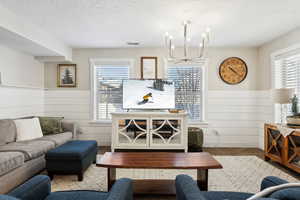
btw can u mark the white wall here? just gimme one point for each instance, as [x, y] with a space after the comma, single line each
[216, 56]
[233, 116]
[232, 110]
[264, 75]
[19, 69]
[265, 51]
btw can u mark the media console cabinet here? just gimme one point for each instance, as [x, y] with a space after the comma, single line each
[149, 131]
[284, 150]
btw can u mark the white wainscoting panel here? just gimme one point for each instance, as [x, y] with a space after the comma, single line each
[21, 102]
[235, 118]
[74, 105]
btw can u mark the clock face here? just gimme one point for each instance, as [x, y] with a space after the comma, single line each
[233, 70]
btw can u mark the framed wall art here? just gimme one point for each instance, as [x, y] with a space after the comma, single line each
[148, 67]
[66, 75]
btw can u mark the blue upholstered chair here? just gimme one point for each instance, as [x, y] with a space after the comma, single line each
[39, 188]
[187, 189]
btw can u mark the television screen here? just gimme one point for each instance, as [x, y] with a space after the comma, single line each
[148, 94]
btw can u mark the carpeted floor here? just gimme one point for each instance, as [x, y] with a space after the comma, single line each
[239, 173]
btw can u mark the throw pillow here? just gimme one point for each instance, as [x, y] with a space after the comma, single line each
[28, 129]
[7, 131]
[51, 125]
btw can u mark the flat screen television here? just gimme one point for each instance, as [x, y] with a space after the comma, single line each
[148, 94]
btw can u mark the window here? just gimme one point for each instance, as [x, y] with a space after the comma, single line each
[287, 71]
[286, 74]
[189, 89]
[107, 87]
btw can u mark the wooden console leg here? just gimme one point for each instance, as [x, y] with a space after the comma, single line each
[80, 176]
[51, 176]
[266, 158]
[111, 177]
[202, 179]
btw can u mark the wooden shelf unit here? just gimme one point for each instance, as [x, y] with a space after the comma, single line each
[284, 150]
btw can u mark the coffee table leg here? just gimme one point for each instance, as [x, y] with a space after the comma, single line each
[111, 177]
[202, 179]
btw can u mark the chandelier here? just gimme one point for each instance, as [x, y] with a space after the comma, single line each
[186, 57]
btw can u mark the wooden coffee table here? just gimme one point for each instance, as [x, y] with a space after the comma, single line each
[201, 162]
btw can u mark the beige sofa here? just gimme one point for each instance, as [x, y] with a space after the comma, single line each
[20, 161]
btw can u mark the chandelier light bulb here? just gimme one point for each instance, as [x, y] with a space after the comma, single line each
[204, 35]
[208, 30]
[188, 39]
[172, 47]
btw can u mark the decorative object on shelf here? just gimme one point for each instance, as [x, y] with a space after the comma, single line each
[148, 67]
[233, 70]
[294, 120]
[282, 96]
[186, 58]
[66, 75]
[176, 111]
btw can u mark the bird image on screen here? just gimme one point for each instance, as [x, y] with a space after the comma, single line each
[148, 94]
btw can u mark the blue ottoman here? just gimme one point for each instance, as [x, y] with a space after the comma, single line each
[73, 157]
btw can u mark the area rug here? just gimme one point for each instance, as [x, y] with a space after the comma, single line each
[239, 173]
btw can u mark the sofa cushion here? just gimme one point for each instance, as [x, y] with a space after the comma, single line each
[58, 139]
[28, 129]
[288, 193]
[10, 161]
[6, 197]
[225, 195]
[77, 195]
[51, 125]
[8, 131]
[30, 148]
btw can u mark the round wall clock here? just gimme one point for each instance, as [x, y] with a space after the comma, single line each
[233, 70]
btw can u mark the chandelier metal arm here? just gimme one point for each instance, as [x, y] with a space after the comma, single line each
[185, 39]
[186, 57]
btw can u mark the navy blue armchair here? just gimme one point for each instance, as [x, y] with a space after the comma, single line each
[187, 189]
[39, 188]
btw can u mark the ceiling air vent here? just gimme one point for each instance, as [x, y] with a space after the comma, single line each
[133, 43]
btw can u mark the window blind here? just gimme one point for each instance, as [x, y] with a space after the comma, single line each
[109, 89]
[188, 88]
[287, 71]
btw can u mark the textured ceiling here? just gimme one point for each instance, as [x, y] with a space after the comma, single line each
[111, 23]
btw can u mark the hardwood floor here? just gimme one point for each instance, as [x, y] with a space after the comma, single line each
[218, 151]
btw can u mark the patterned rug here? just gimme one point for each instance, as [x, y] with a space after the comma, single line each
[239, 173]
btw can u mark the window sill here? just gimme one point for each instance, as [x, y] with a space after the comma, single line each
[202, 124]
[100, 122]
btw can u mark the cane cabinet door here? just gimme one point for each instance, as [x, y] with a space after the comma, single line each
[166, 132]
[132, 132]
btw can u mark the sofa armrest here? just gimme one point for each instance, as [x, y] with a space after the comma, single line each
[121, 190]
[37, 188]
[187, 188]
[270, 181]
[6, 197]
[70, 126]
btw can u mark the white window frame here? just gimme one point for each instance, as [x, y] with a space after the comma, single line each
[276, 113]
[94, 62]
[204, 88]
